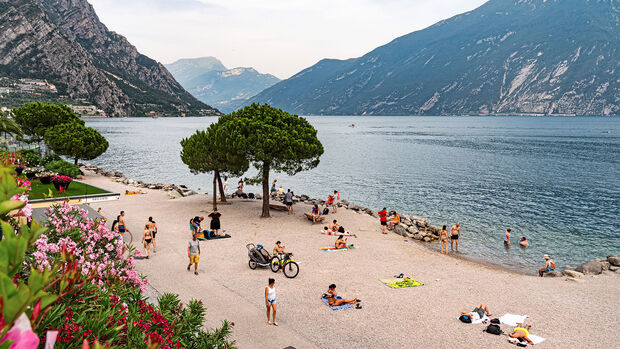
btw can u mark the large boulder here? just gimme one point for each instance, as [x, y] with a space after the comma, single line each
[572, 273]
[413, 229]
[591, 267]
[418, 236]
[553, 274]
[605, 265]
[614, 260]
[400, 230]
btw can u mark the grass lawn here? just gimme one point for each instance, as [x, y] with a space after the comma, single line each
[75, 189]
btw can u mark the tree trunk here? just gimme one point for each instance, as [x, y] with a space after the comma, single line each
[216, 173]
[76, 161]
[221, 187]
[265, 191]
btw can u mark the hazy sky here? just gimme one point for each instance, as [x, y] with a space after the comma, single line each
[279, 37]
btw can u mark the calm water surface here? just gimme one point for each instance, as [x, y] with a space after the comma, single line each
[555, 180]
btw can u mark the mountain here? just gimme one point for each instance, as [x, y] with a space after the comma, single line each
[506, 57]
[188, 68]
[64, 42]
[211, 82]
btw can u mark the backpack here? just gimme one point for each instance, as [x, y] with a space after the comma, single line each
[251, 196]
[493, 329]
[552, 264]
[465, 319]
[495, 321]
[325, 211]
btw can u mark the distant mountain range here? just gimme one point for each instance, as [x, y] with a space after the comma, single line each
[536, 57]
[64, 42]
[211, 82]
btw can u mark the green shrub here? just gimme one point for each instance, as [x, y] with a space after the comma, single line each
[63, 168]
[31, 157]
[49, 158]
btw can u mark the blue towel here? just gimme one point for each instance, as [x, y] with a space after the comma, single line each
[338, 307]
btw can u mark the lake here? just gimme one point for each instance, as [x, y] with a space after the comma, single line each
[555, 180]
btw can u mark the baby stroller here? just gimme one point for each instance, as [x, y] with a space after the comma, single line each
[258, 256]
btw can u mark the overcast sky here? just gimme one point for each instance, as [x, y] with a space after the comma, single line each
[279, 37]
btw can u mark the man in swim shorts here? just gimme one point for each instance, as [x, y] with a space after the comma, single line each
[193, 252]
[383, 219]
[522, 333]
[288, 200]
[455, 234]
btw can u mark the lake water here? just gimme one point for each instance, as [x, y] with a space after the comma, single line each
[555, 180]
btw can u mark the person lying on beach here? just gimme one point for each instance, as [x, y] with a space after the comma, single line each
[549, 266]
[316, 213]
[334, 227]
[127, 192]
[394, 222]
[478, 313]
[278, 249]
[331, 297]
[521, 333]
[524, 242]
[341, 242]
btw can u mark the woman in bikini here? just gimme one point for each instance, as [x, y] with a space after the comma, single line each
[316, 213]
[443, 236]
[152, 226]
[331, 297]
[147, 239]
[341, 243]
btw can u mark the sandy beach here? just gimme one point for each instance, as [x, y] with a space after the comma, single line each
[568, 314]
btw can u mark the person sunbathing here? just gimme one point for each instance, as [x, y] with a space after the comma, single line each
[341, 243]
[478, 313]
[127, 192]
[316, 213]
[521, 333]
[334, 227]
[331, 297]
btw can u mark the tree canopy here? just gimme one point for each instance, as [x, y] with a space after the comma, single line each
[76, 141]
[35, 119]
[206, 151]
[9, 126]
[271, 139]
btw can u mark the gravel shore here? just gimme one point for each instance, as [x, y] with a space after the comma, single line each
[569, 314]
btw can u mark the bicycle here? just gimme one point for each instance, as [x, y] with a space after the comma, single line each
[287, 264]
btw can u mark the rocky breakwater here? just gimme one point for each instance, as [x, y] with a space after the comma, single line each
[609, 265]
[174, 191]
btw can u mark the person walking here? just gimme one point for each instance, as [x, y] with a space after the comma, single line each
[215, 221]
[270, 300]
[122, 226]
[443, 236]
[152, 226]
[226, 186]
[147, 240]
[193, 253]
[288, 201]
[383, 220]
[455, 234]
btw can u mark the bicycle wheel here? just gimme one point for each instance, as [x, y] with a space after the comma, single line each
[252, 264]
[275, 264]
[290, 269]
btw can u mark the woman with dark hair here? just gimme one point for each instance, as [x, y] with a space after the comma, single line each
[270, 300]
[333, 300]
[443, 236]
[215, 221]
[316, 213]
[152, 226]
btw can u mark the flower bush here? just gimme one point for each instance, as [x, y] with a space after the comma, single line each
[47, 174]
[61, 179]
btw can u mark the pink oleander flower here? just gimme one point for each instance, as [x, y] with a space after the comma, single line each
[21, 334]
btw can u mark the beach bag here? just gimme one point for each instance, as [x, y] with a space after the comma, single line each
[325, 211]
[495, 321]
[552, 265]
[493, 329]
[251, 196]
[465, 319]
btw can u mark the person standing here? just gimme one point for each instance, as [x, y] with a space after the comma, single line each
[270, 300]
[240, 185]
[288, 201]
[147, 240]
[122, 226]
[193, 252]
[507, 237]
[215, 221]
[443, 236]
[226, 186]
[455, 234]
[383, 220]
[336, 200]
[152, 226]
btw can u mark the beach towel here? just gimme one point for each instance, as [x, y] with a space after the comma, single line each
[534, 338]
[335, 233]
[401, 283]
[337, 249]
[512, 319]
[337, 307]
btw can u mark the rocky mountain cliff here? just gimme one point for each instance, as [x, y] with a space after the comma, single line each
[64, 41]
[536, 57]
[210, 81]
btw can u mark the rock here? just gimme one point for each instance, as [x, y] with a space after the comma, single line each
[418, 236]
[613, 260]
[118, 174]
[189, 192]
[605, 265]
[400, 230]
[591, 267]
[553, 274]
[572, 273]
[612, 268]
[153, 186]
[427, 239]
[413, 229]
[258, 196]
[573, 280]
[304, 197]
[173, 194]
[344, 202]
